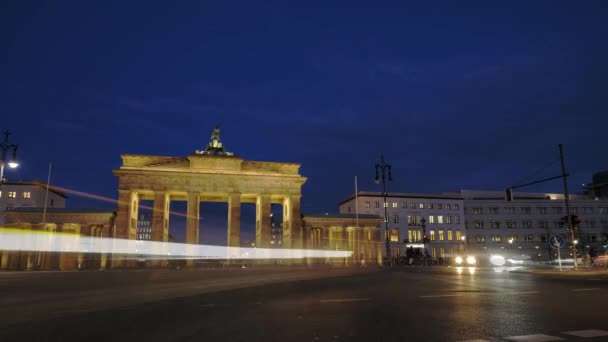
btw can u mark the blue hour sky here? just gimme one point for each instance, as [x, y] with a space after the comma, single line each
[457, 94]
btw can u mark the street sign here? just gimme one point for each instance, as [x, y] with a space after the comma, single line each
[556, 241]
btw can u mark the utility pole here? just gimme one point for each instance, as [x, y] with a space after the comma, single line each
[567, 200]
[386, 169]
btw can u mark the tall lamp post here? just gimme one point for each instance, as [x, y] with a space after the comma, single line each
[6, 148]
[385, 169]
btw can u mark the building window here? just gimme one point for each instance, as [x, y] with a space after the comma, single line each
[512, 239]
[27, 194]
[439, 206]
[510, 210]
[457, 219]
[414, 220]
[442, 252]
[574, 210]
[432, 235]
[349, 209]
[495, 224]
[448, 206]
[558, 224]
[448, 219]
[367, 204]
[542, 210]
[458, 235]
[430, 205]
[377, 204]
[591, 238]
[456, 206]
[396, 219]
[496, 238]
[588, 210]
[395, 235]
[477, 211]
[590, 224]
[511, 224]
[527, 224]
[414, 235]
[431, 219]
[478, 224]
[440, 219]
[544, 237]
[603, 210]
[395, 205]
[434, 253]
[386, 204]
[450, 235]
[12, 194]
[557, 210]
[543, 224]
[441, 235]
[412, 205]
[386, 219]
[525, 210]
[420, 205]
[480, 239]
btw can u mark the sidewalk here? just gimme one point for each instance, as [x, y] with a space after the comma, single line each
[569, 272]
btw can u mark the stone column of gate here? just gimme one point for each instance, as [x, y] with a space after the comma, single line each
[126, 221]
[192, 220]
[262, 221]
[234, 220]
[160, 222]
[292, 222]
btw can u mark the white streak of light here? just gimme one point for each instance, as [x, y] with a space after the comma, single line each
[12, 240]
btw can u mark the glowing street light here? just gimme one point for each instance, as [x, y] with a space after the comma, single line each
[6, 148]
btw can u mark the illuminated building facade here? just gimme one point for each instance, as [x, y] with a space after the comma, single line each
[95, 223]
[28, 195]
[444, 215]
[521, 227]
[361, 235]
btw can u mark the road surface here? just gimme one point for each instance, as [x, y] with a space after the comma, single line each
[402, 304]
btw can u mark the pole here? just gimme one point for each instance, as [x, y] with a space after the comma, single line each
[356, 203]
[388, 246]
[46, 195]
[567, 200]
[559, 256]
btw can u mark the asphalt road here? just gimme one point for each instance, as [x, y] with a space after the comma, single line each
[385, 305]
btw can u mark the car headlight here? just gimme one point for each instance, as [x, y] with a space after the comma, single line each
[458, 260]
[471, 260]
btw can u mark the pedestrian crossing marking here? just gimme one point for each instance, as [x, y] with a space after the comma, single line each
[534, 338]
[587, 333]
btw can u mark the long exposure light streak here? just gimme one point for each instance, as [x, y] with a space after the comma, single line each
[38, 241]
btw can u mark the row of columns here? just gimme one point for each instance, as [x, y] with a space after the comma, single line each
[360, 241]
[126, 221]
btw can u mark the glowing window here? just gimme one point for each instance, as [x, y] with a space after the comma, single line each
[441, 235]
[458, 235]
[431, 219]
[440, 219]
[27, 194]
[432, 235]
[12, 194]
[449, 235]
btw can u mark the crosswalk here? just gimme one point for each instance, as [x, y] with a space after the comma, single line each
[562, 336]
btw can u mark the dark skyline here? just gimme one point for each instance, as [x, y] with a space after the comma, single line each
[466, 95]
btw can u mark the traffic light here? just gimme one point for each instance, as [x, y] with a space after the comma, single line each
[576, 220]
[425, 239]
[509, 194]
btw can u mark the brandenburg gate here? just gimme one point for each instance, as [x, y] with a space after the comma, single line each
[211, 175]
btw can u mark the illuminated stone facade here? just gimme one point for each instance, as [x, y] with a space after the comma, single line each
[208, 178]
[81, 222]
[345, 232]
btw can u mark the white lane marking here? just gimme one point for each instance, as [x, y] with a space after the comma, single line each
[437, 296]
[343, 300]
[589, 289]
[587, 333]
[534, 338]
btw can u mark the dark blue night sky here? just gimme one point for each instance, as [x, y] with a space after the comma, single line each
[473, 95]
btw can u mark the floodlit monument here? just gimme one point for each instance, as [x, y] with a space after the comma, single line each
[211, 175]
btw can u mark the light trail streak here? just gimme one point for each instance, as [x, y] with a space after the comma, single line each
[38, 241]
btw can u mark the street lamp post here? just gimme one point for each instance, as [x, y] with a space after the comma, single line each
[385, 169]
[6, 148]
